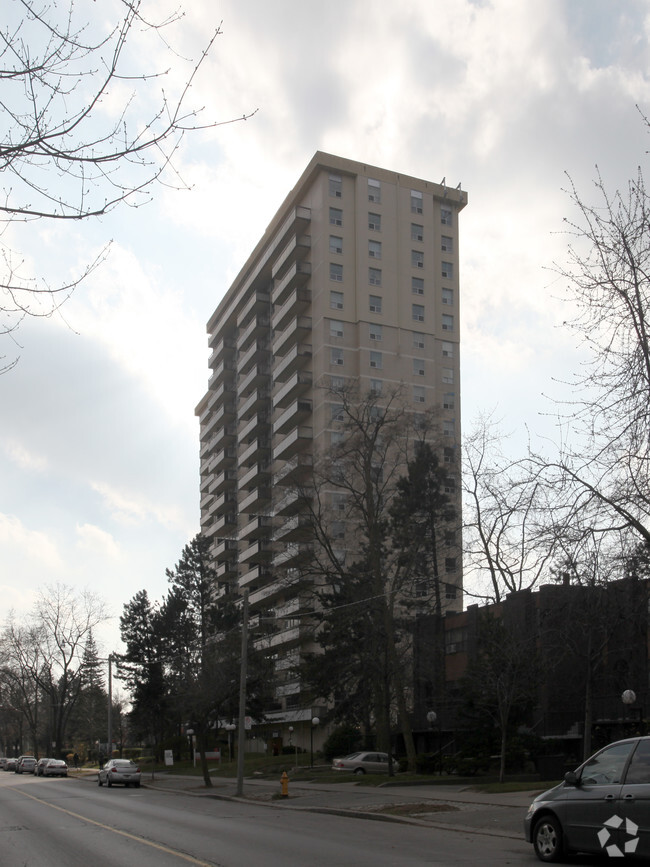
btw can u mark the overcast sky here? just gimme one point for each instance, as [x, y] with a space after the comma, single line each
[99, 469]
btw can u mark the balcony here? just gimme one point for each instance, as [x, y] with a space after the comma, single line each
[297, 330]
[222, 371]
[257, 450]
[223, 413]
[255, 501]
[297, 358]
[258, 303]
[258, 474]
[297, 303]
[288, 504]
[257, 377]
[259, 352]
[291, 555]
[297, 276]
[258, 527]
[256, 401]
[225, 501]
[227, 478]
[258, 552]
[292, 528]
[256, 328]
[300, 439]
[273, 590]
[257, 426]
[226, 549]
[224, 525]
[294, 471]
[255, 577]
[224, 436]
[224, 347]
[297, 412]
[295, 251]
[294, 387]
[226, 571]
[286, 636]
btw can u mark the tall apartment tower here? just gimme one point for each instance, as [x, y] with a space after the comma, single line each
[355, 277]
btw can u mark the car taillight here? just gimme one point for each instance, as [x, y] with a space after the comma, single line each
[114, 770]
[137, 770]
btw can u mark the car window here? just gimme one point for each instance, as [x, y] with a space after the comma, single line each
[606, 767]
[639, 770]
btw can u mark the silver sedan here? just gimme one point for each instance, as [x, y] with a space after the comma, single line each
[119, 772]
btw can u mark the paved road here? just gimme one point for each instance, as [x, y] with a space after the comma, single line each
[172, 822]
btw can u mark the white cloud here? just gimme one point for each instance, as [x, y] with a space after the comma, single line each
[24, 457]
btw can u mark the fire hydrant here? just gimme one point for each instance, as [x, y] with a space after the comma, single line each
[284, 784]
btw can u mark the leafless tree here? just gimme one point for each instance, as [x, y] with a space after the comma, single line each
[509, 529]
[95, 107]
[44, 661]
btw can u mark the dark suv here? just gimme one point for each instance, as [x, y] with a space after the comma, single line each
[603, 807]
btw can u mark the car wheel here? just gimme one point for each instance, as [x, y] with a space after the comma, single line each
[359, 771]
[99, 780]
[108, 782]
[547, 839]
[137, 785]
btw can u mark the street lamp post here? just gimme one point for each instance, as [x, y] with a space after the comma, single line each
[432, 718]
[230, 728]
[290, 737]
[314, 722]
[628, 698]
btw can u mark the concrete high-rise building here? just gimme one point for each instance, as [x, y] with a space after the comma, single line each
[356, 278]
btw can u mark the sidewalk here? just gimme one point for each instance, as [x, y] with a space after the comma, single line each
[442, 806]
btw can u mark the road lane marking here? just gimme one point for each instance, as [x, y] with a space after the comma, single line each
[189, 858]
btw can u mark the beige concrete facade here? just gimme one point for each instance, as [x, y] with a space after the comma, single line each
[355, 277]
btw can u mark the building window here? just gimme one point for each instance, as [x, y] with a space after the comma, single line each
[374, 190]
[417, 232]
[445, 216]
[337, 412]
[377, 413]
[418, 312]
[337, 436]
[447, 350]
[338, 529]
[449, 486]
[418, 340]
[448, 296]
[337, 383]
[374, 249]
[336, 272]
[336, 328]
[449, 427]
[449, 400]
[448, 270]
[376, 386]
[336, 217]
[375, 303]
[336, 356]
[450, 564]
[336, 244]
[374, 222]
[336, 300]
[375, 331]
[416, 202]
[447, 375]
[447, 322]
[336, 186]
[418, 367]
[338, 502]
[447, 244]
[375, 360]
[418, 393]
[374, 276]
[417, 259]
[417, 285]
[448, 456]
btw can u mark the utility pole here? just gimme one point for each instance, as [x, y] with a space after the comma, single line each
[109, 750]
[242, 697]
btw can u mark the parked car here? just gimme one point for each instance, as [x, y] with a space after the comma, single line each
[364, 763]
[51, 768]
[3, 763]
[25, 765]
[603, 807]
[122, 771]
[11, 765]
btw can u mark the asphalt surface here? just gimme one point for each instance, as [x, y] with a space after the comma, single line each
[450, 807]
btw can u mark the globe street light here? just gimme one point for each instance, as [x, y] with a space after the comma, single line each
[314, 722]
